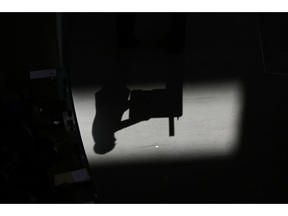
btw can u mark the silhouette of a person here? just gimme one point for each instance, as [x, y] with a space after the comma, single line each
[111, 103]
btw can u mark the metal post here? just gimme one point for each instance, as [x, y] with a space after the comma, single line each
[171, 126]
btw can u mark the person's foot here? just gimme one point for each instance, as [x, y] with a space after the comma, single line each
[104, 146]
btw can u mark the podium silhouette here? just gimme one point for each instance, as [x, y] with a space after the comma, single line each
[158, 103]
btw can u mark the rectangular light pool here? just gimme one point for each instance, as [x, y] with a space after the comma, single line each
[209, 127]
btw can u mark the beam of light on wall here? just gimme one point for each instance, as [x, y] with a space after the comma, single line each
[209, 127]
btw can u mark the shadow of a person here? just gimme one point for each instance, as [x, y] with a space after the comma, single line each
[111, 103]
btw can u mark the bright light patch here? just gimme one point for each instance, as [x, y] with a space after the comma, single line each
[209, 127]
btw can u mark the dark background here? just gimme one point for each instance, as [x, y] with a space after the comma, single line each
[149, 47]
